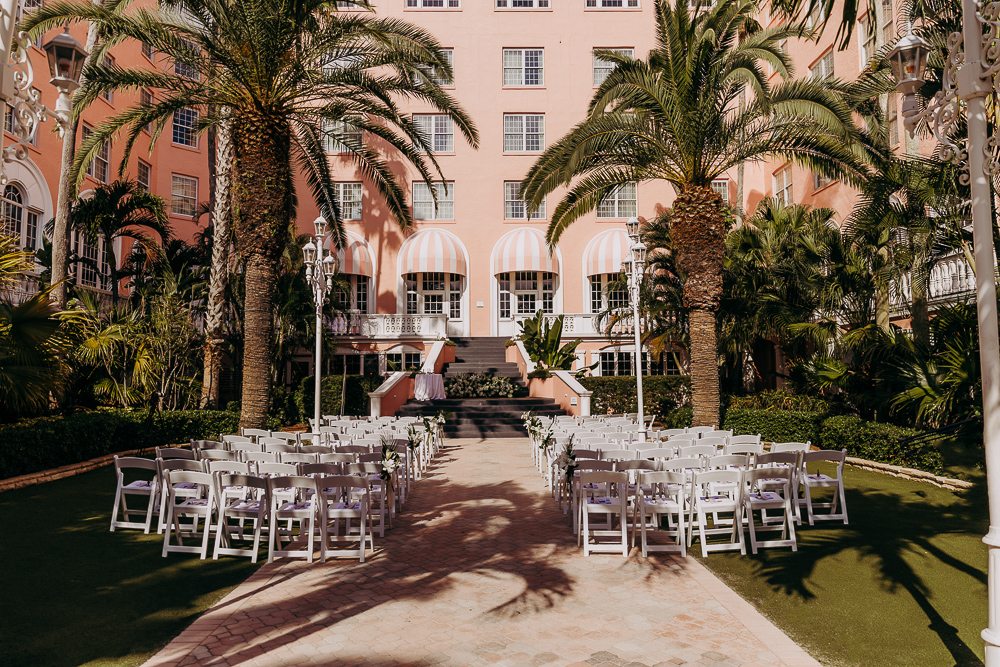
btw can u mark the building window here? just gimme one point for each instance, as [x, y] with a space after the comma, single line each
[783, 185]
[514, 206]
[361, 294]
[616, 363]
[612, 4]
[720, 186]
[435, 76]
[892, 119]
[434, 293]
[602, 68]
[404, 360]
[820, 181]
[433, 4]
[188, 69]
[522, 4]
[602, 298]
[142, 175]
[146, 100]
[183, 195]
[866, 36]
[823, 68]
[87, 272]
[147, 50]
[349, 197]
[99, 166]
[107, 63]
[438, 130]
[185, 121]
[670, 365]
[533, 290]
[523, 67]
[31, 5]
[340, 136]
[888, 28]
[621, 203]
[423, 201]
[31, 231]
[13, 212]
[523, 133]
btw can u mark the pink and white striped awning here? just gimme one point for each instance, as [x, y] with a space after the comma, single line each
[524, 250]
[432, 250]
[356, 258]
[607, 250]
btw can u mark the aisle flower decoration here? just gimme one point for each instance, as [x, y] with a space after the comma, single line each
[390, 464]
[412, 438]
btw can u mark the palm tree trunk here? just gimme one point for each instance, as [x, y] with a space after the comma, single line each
[219, 275]
[919, 316]
[698, 226]
[262, 195]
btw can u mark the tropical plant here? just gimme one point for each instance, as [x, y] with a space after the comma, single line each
[541, 335]
[117, 211]
[284, 74]
[479, 385]
[676, 117]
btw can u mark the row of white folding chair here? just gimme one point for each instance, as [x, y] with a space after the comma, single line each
[270, 509]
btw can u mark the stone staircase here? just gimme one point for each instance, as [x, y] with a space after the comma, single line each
[483, 417]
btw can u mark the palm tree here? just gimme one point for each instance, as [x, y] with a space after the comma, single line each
[117, 211]
[676, 117]
[284, 73]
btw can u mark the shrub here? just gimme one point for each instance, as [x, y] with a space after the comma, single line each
[881, 442]
[613, 394]
[356, 403]
[779, 400]
[479, 385]
[38, 444]
[679, 418]
[774, 425]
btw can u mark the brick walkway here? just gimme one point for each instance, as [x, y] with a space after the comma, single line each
[482, 568]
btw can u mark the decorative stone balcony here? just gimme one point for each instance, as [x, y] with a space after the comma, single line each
[384, 326]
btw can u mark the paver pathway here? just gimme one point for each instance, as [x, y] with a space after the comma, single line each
[482, 568]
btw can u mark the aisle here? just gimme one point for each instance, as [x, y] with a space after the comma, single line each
[482, 569]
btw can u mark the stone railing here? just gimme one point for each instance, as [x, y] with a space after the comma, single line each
[951, 279]
[582, 325]
[388, 326]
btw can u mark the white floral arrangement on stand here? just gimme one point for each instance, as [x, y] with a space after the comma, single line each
[390, 464]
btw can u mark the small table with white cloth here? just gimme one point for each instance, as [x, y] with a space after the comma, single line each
[428, 386]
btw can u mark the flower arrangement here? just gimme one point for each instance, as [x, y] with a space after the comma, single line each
[543, 437]
[390, 458]
[567, 460]
[413, 438]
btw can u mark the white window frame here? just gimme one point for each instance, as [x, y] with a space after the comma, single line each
[423, 201]
[783, 186]
[431, 74]
[100, 166]
[516, 135]
[867, 37]
[600, 300]
[146, 99]
[602, 68]
[514, 207]
[187, 70]
[720, 186]
[332, 129]
[182, 180]
[523, 4]
[823, 68]
[514, 64]
[887, 21]
[185, 131]
[820, 181]
[433, 4]
[108, 95]
[621, 205]
[439, 129]
[449, 294]
[892, 118]
[612, 4]
[350, 195]
[147, 184]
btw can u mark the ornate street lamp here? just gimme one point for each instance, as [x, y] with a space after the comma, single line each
[969, 76]
[65, 56]
[320, 267]
[634, 267]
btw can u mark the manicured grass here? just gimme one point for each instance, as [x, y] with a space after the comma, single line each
[74, 593]
[903, 584]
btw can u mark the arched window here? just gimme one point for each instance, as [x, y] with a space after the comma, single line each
[13, 211]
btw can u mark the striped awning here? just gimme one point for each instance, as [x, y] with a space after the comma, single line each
[432, 250]
[524, 250]
[607, 250]
[356, 258]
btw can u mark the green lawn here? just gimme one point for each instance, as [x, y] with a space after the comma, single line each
[74, 593]
[904, 584]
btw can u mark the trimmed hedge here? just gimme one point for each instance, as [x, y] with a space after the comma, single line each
[779, 400]
[357, 390]
[774, 425]
[615, 394]
[480, 385]
[38, 444]
[876, 441]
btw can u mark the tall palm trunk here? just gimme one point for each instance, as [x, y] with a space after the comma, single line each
[699, 228]
[262, 193]
[919, 316]
[219, 275]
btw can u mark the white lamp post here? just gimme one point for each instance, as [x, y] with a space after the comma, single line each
[320, 267]
[65, 56]
[634, 267]
[970, 78]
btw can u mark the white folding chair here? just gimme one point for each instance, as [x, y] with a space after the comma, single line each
[253, 506]
[700, 430]
[199, 509]
[178, 453]
[770, 489]
[706, 501]
[662, 496]
[696, 450]
[146, 487]
[182, 490]
[744, 448]
[791, 459]
[344, 497]
[821, 480]
[254, 433]
[609, 500]
[217, 455]
[297, 509]
[380, 509]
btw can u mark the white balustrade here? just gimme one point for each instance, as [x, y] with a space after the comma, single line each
[581, 324]
[397, 326]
